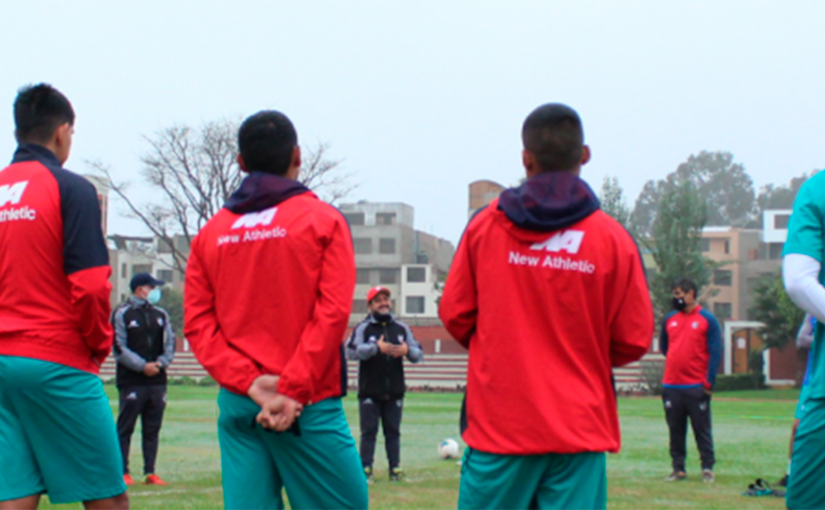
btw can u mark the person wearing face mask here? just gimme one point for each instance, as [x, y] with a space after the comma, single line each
[691, 342]
[381, 342]
[144, 348]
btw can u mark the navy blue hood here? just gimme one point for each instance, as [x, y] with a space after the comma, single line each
[548, 202]
[261, 191]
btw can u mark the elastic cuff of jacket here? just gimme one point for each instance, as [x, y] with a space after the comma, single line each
[303, 397]
[246, 383]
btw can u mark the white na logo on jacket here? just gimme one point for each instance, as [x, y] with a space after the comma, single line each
[569, 241]
[12, 193]
[254, 219]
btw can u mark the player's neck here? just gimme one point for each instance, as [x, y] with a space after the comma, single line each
[690, 308]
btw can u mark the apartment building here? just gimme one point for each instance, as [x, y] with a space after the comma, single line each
[129, 255]
[749, 255]
[391, 253]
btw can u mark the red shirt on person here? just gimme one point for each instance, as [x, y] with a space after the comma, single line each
[269, 286]
[692, 344]
[549, 294]
[54, 265]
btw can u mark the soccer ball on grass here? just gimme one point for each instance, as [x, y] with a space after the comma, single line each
[448, 449]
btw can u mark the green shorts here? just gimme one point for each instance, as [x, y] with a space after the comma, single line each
[320, 468]
[57, 434]
[800, 406]
[533, 481]
[808, 459]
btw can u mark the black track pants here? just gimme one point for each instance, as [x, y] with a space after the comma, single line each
[681, 404]
[147, 402]
[388, 411]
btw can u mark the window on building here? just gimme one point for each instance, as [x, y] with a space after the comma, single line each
[780, 221]
[141, 268]
[727, 246]
[165, 275]
[705, 244]
[422, 258]
[355, 218]
[362, 276]
[123, 269]
[386, 246]
[723, 310]
[164, 247]
[385, 218]
[359, 306]
[388, 276]
[416, 274]
[723, 277]
[415, 305]
[182, 243]
[362, 245]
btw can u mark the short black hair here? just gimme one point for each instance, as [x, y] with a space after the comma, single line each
[266, 141]
[38, 111]
[553, 133]
[686, 285]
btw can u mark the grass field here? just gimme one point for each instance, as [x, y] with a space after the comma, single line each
[751, 432]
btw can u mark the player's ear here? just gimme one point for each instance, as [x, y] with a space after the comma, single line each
[295, 164]
[241, 163]
[585, 154]
[531, 165]
[62, 141]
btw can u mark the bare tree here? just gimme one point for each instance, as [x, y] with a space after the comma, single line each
[195, 171]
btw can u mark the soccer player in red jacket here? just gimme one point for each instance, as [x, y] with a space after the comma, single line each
[269, 286]
[548, 293]
[57, 435]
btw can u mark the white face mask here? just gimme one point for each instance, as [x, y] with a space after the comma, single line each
[154, 296]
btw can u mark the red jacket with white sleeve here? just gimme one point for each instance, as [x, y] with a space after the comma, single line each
[54, 265]
[269, 286]
[549, 294]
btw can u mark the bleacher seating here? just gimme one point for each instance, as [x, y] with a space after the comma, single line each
[443, 372]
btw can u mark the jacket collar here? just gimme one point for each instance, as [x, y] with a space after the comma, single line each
[136, 301]
[548, 202]
[260, 191]
[373, 320]
[34, 152]
[694, 312]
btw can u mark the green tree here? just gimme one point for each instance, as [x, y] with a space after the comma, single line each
[172, 302]
[613, 201]
[774, 308]
[676, 243]
[779, 197]
[647, 204]
[723, 185]
[192, 171]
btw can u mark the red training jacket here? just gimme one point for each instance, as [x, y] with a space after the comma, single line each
[269, 287]
[54, 265]
[546, 315]
[692, 344]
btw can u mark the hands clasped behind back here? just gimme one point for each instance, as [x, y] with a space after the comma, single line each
[278, 411]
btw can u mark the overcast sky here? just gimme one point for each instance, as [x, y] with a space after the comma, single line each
[421, 98]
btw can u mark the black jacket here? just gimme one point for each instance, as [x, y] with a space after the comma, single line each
[381, 375]
[143, 334]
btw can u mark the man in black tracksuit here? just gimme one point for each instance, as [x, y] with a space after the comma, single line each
[380, 342]
[144, 348]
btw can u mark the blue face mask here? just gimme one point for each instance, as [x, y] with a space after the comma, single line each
[154, 296]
